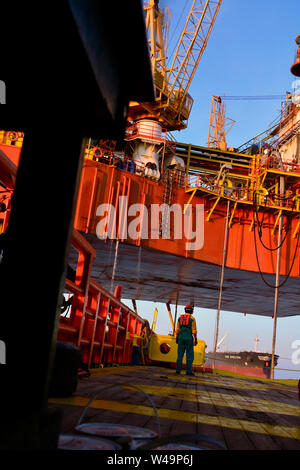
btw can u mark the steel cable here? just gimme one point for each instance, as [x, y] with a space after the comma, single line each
[290, 270]
[174, 32]
[260, 224]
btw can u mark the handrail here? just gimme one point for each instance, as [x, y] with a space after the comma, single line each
[96, 321]
[117, 303]
[244, 194]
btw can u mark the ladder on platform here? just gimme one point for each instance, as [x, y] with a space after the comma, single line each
[168, 179]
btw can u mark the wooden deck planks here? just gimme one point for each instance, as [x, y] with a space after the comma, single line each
[233, 438]
[281, 420]
[227, 423]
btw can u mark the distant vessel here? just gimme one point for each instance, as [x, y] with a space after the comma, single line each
[252, 363]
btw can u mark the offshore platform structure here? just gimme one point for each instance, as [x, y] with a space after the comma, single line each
[251, 199]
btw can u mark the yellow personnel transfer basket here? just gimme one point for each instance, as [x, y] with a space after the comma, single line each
[163, 348]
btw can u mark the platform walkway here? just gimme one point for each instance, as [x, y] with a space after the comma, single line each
[243, 414]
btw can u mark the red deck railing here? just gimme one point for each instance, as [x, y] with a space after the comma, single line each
[98, 323]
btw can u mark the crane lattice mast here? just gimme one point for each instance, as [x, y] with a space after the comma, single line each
[190, 48]
[219, 124]
[173, 105]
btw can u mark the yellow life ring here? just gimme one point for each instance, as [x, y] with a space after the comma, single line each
[262, 192]
[12, 136]
[226, 183]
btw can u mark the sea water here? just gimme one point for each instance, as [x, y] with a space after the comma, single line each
[286, 369]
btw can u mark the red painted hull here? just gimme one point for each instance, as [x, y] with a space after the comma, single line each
[163, 270]
[101, 183]
[257, 372]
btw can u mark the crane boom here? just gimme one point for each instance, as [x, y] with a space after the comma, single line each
[172, 104]
[221, 341]
[191, 46]
[157, 25]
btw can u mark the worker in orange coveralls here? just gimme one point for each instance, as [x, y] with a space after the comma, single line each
[186, 338]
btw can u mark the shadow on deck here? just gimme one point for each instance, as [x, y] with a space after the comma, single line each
[242, 414]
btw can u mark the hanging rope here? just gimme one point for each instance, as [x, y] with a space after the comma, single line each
[221, 279]
[290, 270]
[260, 226]
[174, 32]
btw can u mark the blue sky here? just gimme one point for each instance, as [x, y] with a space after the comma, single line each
[250, 52]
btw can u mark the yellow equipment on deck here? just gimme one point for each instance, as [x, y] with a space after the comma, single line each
[163, 348]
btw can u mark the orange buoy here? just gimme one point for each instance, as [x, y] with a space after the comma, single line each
[295, 69]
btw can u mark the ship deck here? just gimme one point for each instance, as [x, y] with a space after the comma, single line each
[240, 413]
